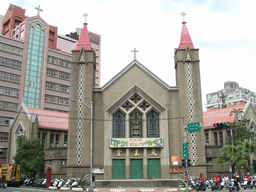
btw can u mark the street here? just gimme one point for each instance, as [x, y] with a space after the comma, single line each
[156, 189]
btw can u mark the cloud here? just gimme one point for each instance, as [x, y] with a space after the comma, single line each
[223, 31]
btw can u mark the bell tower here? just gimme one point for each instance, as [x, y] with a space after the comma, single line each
[187, 69]
[82, 82]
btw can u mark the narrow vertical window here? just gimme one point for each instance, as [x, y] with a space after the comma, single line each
[51, 140]
[221, 138]
[57, 140]
[207, 138]
[119, 125]
[216, 138]
[136, 125]
[65, 140]
[153, 125]
[43, 140]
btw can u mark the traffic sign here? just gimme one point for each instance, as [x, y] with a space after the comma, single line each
[230, 169]
[192, 127]
[184, 150]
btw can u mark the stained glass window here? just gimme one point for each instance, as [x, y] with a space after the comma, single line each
[136, 125]
[153, 125]
[119, 125]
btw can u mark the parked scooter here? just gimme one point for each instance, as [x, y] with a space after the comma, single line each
[61, 183]
[2, 183]
[200, 185]
[192, 183]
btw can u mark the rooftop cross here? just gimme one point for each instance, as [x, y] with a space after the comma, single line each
[38, 9]
[183, 14]
[85, 15]
[134, 53]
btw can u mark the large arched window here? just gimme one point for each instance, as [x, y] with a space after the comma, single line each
[119, 125]
[153, 125]
[135, 125]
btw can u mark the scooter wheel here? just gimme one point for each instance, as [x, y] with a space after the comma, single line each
[212, 189]
[230, 189]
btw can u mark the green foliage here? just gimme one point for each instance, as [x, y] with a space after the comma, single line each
[239, 129]
[239, 147]
[237, 155]
[30, 156]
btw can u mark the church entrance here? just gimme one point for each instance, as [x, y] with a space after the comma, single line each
[118, 169]
[136, 169]
[154, 170]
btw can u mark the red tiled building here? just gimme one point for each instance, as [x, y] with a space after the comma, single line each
[215, 136]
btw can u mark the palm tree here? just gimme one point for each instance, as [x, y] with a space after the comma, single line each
[237, 113]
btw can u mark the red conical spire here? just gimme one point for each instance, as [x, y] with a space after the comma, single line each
[84, 39]
[185, 37]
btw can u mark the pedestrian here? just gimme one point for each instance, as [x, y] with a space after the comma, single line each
[93, 180]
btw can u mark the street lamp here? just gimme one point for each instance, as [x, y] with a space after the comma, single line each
[91, 188]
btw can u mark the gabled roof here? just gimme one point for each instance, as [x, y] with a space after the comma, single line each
[50, 119]
[185, 38]
[135, 63]
[84, 39]
[220, 115]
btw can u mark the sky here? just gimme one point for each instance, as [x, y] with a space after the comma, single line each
[222, 30]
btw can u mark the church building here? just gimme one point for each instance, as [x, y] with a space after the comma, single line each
[133, 127]
[137, 121]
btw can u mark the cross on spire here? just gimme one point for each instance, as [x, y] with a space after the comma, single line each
[85, 17]
[183, 14]
[134, 53]
[38, 9]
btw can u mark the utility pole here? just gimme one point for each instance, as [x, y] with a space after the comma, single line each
[186, 155]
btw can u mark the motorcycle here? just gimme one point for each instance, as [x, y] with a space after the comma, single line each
[214, 185]
[207, 183]
[200, 185]
[254, 183]
[192, 183]
[231, 186]
[222, 184]
[61, 183]
[247, 184]
[2, 183]
[55, 182]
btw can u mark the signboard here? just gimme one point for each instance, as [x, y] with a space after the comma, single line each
[175, 160]
[12, 171]
[175, 169]
[136, 142]
[184, 150]
[98, 170]
[192, 127]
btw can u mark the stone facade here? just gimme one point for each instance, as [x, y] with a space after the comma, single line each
[134, 91]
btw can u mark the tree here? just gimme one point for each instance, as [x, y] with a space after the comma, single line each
[30, 156]
[237, 155]
[239, 147]
[239, 128]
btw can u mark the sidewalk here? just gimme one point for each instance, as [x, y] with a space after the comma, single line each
[133, 189]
